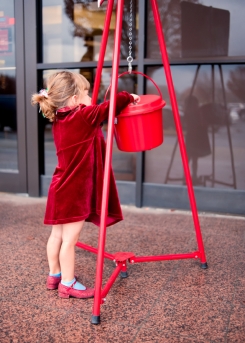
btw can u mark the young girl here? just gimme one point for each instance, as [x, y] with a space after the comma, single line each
[75, 192]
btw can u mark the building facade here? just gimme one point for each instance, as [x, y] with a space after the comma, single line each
[204, 40]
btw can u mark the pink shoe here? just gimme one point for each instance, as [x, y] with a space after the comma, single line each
[66, 292]
[53, 282]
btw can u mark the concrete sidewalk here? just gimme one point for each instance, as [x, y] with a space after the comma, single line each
[169, 302]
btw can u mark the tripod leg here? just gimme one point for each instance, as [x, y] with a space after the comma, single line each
[171, 161]
[195, 80]
[228, 128]
[213, 135]
[179, 131]
[102, 51]
[106, 181]
[176, 143]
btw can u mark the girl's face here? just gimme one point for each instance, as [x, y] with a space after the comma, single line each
[75, 100]
[84, 98]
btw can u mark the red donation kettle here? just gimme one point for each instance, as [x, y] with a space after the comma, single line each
[139, 126]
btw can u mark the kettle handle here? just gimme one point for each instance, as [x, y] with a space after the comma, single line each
[135, 72]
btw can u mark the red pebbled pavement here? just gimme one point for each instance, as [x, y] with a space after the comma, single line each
[159, 302]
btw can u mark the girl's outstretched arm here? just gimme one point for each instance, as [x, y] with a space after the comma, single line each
[95, 114]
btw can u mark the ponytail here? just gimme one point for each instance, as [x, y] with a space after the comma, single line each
[61, 86]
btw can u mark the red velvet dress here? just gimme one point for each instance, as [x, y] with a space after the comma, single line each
[75, 192]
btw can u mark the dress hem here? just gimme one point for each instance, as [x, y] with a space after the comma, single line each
[111, 219]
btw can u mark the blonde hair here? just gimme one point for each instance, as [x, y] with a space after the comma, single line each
[61, 86]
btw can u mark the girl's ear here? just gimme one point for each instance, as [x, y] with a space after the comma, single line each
[74, 99]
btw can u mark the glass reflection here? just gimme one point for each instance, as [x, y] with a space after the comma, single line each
[8, 122]
[72, 31]
[212, 110]
[199, 28]
[123, 164]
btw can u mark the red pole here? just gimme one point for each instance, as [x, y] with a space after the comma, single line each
[105, 193]
[179, 130]
[102, 51]
[164, 257]
[111, 280]
[94, 250]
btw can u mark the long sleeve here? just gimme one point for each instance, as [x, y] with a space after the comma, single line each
[95, 114]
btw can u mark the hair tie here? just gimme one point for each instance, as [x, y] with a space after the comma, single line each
[44, 93]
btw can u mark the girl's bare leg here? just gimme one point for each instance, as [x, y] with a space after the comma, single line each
[70, 235]
[53, 249]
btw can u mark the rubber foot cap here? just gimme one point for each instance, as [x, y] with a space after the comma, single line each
[204, 265]
[95, 320]
[124, 274]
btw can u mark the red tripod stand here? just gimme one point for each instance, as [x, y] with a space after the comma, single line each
[122, 258]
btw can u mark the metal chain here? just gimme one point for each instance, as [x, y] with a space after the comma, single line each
[130, 37]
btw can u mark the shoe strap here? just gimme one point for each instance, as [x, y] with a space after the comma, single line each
[72, 286]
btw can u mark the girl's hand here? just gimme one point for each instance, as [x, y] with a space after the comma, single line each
[136, 98]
